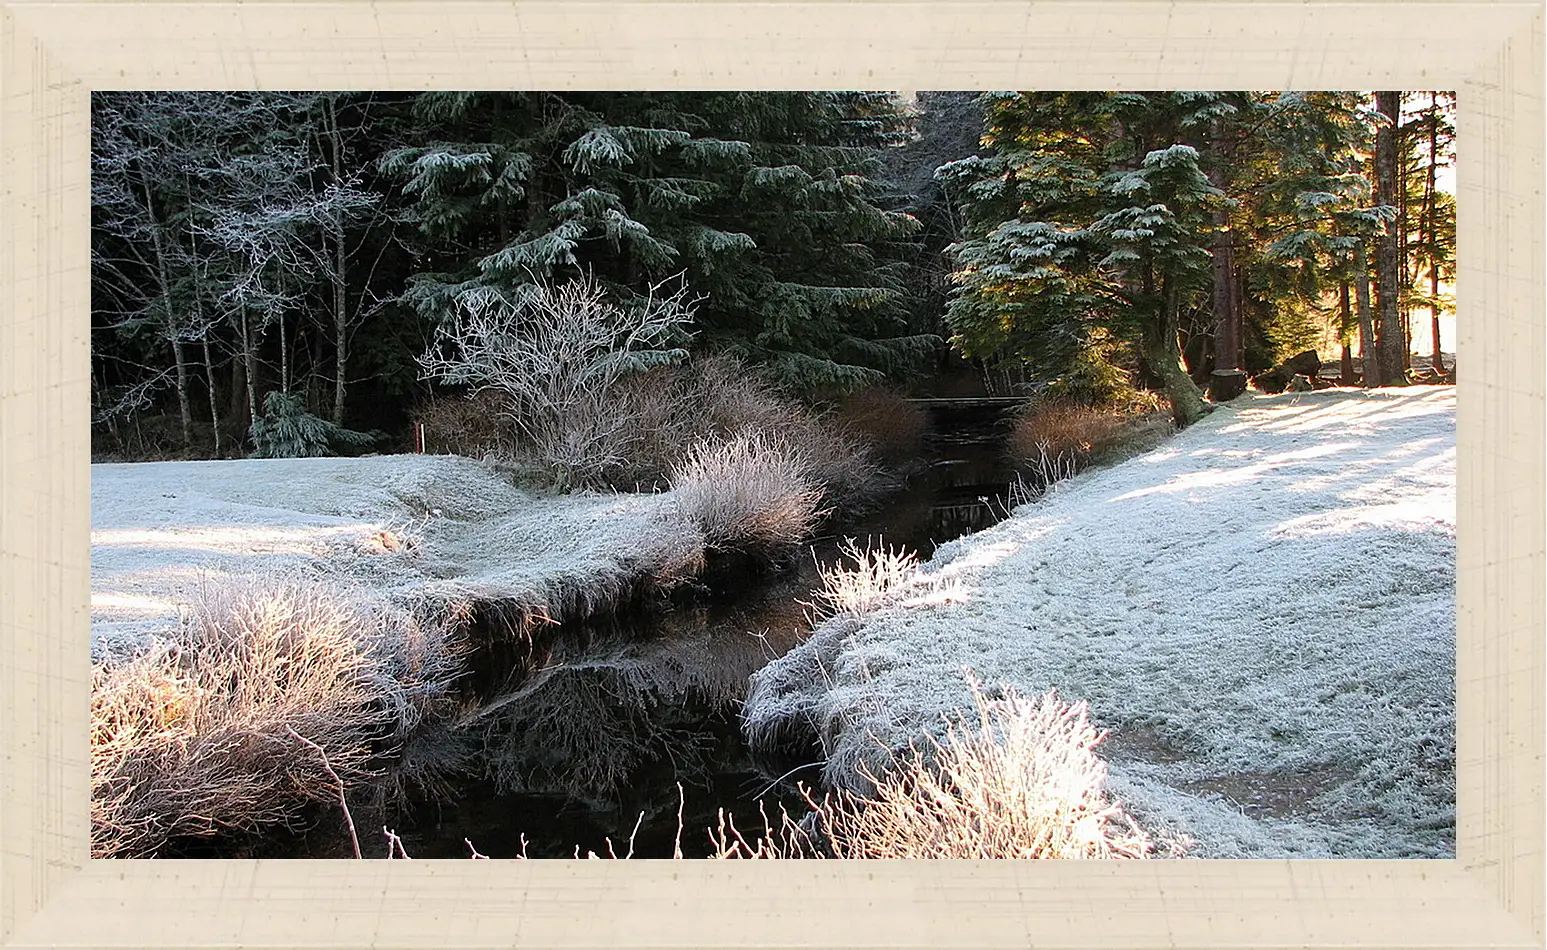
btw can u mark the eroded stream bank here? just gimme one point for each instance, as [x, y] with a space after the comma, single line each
[599, 723]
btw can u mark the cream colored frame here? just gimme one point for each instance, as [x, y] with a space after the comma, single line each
[52, 55]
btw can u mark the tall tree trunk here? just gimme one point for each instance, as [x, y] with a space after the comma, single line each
[1405, 275]
[250, 369]
[1227, 298]
[209, 364]
[1163, 353]
[340, 326]
[340, 270]
[1369, 357]
[284, 358]
[1431, 199]
[214, 411]
[184, 404]
[1391, 342]
[173, 325]
[1345, 335]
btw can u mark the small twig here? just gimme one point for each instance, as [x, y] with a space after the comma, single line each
[342, 803]
[677, 842]
[485, 857]
[632, 835]
[394, 844]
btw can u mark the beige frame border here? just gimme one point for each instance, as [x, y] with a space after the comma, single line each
[53, 54]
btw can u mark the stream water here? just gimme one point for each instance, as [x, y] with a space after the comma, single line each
[631, 721]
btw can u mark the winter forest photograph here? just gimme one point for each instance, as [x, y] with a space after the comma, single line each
[888, 474]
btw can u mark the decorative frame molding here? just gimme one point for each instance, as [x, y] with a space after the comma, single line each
[53, 54]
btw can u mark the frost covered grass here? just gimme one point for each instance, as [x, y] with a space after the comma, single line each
[413, 529]
[268, 697]
[1016, 778]
[855, 588]
[378, 577]
[753, 492]
[1262, 611]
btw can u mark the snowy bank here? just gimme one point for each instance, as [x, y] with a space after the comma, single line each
[1262, 611]
[404, 527]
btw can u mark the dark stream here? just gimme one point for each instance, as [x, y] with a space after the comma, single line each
[623, 712]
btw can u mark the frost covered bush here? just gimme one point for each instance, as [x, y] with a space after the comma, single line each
[853, 591]
[557, 354]
[216, 729]
[717, 398]
[753, 492]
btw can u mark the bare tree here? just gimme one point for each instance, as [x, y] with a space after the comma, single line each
[556, 353]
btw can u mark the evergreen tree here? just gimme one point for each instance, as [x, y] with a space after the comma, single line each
[769, 203]
[1107, 229]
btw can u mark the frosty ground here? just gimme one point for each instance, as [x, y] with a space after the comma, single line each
[1261, 611]
[408, 527]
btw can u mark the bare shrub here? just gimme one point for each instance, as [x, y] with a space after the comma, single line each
[1022, 781]
[1052, 431]
[557, 353]
[884, 421]
[476, 425]
[214, 731]
[752, 492]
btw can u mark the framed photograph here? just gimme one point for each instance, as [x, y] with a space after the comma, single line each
[238, 198]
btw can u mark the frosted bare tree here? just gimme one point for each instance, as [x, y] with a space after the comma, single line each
[557, 352]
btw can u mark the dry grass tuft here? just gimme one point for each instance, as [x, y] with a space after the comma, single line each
[753, 492]
[1022, 781]
[216, 730]
[854, 591]
[1050, 432]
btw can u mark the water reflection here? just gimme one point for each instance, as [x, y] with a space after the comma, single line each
[602, 723]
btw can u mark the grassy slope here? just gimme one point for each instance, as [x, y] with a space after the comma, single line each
[1262, 610]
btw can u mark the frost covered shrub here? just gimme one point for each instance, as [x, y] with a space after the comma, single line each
[716, 399]
[206, 733]
[557, 354]
[753, 492]
[853, 591]
[1021, 781]
[287, 430]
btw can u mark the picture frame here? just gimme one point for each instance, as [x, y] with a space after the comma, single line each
[53, 55]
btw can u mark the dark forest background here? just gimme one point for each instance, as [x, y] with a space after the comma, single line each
[263, 257]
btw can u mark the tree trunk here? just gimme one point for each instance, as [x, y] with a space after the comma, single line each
[214, 411]
[1368, 355]
[1391, 341]
[339, 275]
[340, 327]
[1163, 353]
[250, 369]
[173, 329]
[1431, 199]
[1345, 335]
[1227, 298]
[284, 357]
[184, 404]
